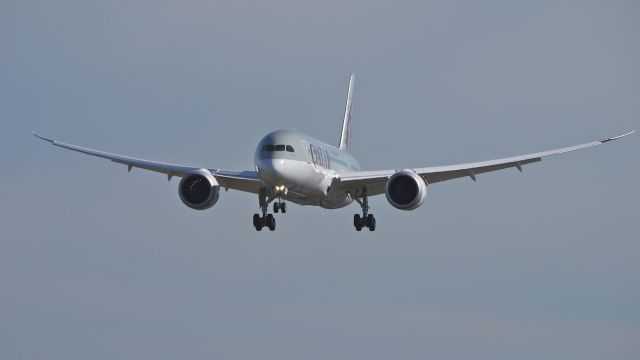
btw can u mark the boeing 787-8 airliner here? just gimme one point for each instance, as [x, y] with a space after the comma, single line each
[291, 166]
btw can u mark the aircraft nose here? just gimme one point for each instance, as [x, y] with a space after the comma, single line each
[274, 171]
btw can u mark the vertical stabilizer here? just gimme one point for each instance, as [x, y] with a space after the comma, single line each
[345, 137]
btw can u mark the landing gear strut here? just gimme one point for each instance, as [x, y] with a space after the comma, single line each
[366, 220]
[266, 220]
[264, 198]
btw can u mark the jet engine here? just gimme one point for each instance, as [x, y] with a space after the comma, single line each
[406, 190]
[199, 190]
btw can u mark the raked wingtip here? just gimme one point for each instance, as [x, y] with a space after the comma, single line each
[617, 137]
[41, 137]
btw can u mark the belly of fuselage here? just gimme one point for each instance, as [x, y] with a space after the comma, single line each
[306, 183]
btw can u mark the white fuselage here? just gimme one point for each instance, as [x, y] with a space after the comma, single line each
[301, 169]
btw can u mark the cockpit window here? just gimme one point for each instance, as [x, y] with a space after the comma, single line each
[272, 148]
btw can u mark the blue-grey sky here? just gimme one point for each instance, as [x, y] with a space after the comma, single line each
[96, 263]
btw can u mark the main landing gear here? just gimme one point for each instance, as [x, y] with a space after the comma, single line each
[264, 221]
[267, 220]
[366, 220]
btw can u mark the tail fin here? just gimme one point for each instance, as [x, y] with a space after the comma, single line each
[345, 137]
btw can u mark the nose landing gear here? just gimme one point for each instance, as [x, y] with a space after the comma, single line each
[366, 220]
[280, 206]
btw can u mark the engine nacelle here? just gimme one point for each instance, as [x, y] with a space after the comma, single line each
[406, 190]
[199, 190]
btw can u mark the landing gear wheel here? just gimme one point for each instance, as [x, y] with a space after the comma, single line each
[357, 222]
[371, 222]
[271, 222]
[366, 220]
[257, 222]
[283, 207]
[264, 219]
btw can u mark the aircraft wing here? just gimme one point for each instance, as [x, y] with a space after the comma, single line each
[375, 181]
[238, 180]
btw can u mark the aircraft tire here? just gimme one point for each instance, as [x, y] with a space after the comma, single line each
[371, 222]
[357, 222]
[271, 222]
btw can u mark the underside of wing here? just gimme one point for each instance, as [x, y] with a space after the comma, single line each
[247, 181]
[238, 180]
[375, 181]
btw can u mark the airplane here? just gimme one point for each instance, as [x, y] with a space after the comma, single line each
[292, 166]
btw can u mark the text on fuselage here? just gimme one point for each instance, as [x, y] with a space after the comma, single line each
[320, 156]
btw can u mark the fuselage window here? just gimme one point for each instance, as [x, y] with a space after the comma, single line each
[279, 147]
[267, 148]
[289, 148]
